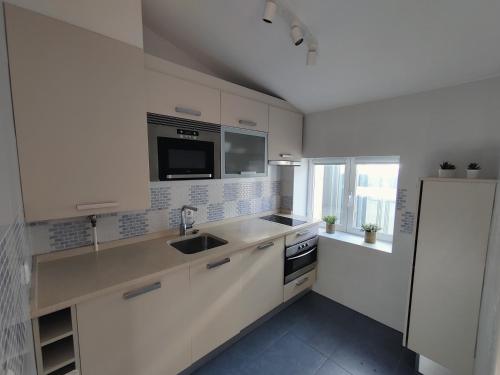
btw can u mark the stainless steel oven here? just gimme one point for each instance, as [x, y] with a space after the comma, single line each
[300, 258]
[181, 149]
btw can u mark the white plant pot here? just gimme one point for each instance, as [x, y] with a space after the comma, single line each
[473, 173]
[447, 173]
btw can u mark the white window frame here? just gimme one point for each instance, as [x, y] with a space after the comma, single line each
[347, 218]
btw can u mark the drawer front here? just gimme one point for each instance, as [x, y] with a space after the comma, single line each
[301, 235]
[298, 285]
[171, 96]
[244, 113]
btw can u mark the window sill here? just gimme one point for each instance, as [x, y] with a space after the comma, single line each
[383, 246]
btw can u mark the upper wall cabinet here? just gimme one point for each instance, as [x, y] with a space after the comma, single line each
[285, 135]
[80, 120]
[171, 96]
[244, 113]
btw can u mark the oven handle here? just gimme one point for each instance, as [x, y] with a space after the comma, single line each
[303, 255]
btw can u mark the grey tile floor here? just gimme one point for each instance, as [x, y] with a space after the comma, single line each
[316, 336]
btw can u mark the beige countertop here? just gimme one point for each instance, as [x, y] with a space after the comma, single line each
[65, 281]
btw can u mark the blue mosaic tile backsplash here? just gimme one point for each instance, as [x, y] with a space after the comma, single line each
[215, 200]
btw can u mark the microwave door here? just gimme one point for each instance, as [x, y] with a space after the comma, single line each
[181, 159]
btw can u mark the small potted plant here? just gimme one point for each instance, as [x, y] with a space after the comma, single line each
[330, 223]
[473, 170]
[447, 170]
[370, 232]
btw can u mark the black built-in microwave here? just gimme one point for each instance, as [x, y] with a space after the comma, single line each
[181, 149]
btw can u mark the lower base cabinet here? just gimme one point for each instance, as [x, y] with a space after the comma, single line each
[143, 331]
[215, 295]
[262, 280]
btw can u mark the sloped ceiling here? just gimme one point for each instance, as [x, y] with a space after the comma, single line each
[368, 49]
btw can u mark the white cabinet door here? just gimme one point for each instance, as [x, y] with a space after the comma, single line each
[215, 295]
[285, 134]
[262, 279]
[146, 331]
[171, 96]
[454, 226]
[78, 100]
[244, 113]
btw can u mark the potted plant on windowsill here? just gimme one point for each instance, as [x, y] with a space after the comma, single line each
[370, 232]
[330, 223]
[473, 170]
[447, 170]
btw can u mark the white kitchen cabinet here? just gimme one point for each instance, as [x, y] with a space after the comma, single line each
[172, 96]
[244, 113]
[145, 330]
[80, 118]
[216, 306]
[453, 230]
[262, 279]
[285, 135]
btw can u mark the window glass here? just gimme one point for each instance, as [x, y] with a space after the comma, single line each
[375, 195]
[329, 186]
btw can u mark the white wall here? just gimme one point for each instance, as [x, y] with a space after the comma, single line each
[16, 351]
[118, 19]
[460, 124]
[157, 46]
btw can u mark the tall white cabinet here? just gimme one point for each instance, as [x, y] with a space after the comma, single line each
[450, 255]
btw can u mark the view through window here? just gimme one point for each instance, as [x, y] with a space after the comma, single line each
[356, 191]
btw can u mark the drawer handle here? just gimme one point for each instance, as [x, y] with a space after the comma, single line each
[143, 290]
[218, 263]
[188, 111]
[265, 246]
[299, 234]
[95, 206]
[286, 156]
[247, 122]
[299, 283]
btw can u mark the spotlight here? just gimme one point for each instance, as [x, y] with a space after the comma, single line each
[312, 54]
[296, 32]
[270, 11]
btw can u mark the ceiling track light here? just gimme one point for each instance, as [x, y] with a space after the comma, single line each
[296, 33]
[312, 55]
[270, 11]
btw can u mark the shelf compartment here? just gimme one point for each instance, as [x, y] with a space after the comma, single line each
[58, 355]
[55, 326]
[66, 370]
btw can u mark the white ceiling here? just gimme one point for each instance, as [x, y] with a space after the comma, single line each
[368, 49]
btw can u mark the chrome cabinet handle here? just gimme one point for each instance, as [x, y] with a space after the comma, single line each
[244, 173]
[247, 122]
[302, 233]
[143, 290]
[188, 111]
[95, 206]
[218, 263]
[286, 156]
[299, 283]
[265, 246]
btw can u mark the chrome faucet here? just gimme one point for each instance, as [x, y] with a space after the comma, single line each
[183, 227]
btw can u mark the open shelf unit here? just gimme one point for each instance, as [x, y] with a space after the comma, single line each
[56, 343]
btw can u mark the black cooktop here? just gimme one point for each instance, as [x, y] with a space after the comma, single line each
[283, 220]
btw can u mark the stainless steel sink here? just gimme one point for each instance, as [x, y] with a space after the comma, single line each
[199, 243]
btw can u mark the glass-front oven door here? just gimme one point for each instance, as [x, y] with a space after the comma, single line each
[183, 159]
[300, 263]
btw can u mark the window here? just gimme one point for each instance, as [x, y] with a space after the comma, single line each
[356, 191]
